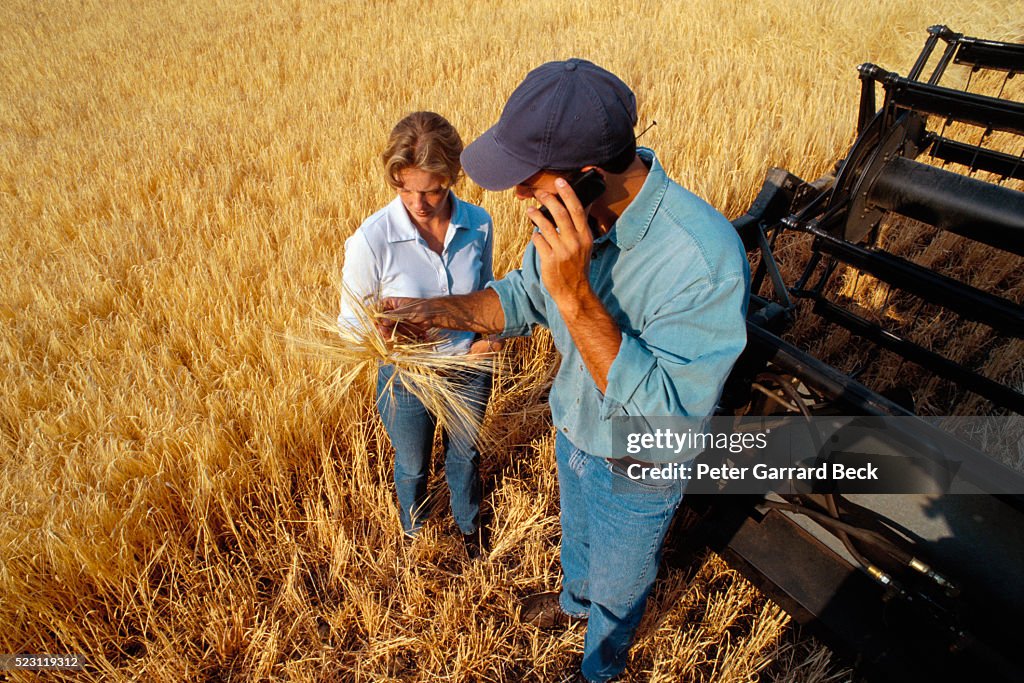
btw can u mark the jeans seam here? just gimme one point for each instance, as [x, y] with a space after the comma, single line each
[651, 552]
[577, 461]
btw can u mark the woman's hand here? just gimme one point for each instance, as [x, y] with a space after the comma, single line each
[486, 345]
[404, 317]
[479, 311]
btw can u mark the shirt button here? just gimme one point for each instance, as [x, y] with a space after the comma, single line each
[565, 430]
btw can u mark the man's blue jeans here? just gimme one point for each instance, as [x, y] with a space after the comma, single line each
[411, 429]
[612, 531]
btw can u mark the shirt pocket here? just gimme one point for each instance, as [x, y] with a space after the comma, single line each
[465, 264]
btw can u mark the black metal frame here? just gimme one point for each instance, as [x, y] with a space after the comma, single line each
[925, 637]
[880, 176]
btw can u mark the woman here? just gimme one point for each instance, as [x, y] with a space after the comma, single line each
[426, 242]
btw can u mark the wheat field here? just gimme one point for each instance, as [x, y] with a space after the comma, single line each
[184, 496]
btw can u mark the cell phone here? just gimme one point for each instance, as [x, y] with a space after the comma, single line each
[588, 187]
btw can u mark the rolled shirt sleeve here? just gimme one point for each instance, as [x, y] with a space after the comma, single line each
[678, 364]
[522, 297]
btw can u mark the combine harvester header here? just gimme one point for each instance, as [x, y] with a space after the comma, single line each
[924, 585]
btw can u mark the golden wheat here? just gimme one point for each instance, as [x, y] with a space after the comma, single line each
[185, 498]
[433, 376]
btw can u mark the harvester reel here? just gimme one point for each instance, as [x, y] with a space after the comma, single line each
[875, 148]
[876, 575]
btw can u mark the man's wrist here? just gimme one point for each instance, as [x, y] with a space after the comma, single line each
[575, 306]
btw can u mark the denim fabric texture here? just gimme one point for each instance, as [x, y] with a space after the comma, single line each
[612, 532]
[411, 429]
[673, 275]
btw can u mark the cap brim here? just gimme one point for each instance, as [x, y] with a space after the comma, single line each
[491, 167]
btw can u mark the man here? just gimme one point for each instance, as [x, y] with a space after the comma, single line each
[645, 294]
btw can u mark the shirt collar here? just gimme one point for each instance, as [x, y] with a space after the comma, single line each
[460, 214]
[633, 223]
[401, 228]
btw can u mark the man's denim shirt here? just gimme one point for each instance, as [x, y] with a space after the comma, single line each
[673, 274]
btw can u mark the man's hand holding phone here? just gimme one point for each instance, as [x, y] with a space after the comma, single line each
[563, 243]
[587, 187]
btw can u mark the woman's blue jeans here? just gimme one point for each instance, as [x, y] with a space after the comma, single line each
[411, 429]
[612, 532]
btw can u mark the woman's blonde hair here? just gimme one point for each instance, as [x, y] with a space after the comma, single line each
[426, 141]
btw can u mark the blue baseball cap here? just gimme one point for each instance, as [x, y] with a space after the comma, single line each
[563, 116]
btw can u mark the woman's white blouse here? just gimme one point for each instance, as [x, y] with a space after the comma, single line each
[386, 256]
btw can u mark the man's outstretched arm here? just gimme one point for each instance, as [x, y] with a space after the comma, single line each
[475, 312]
